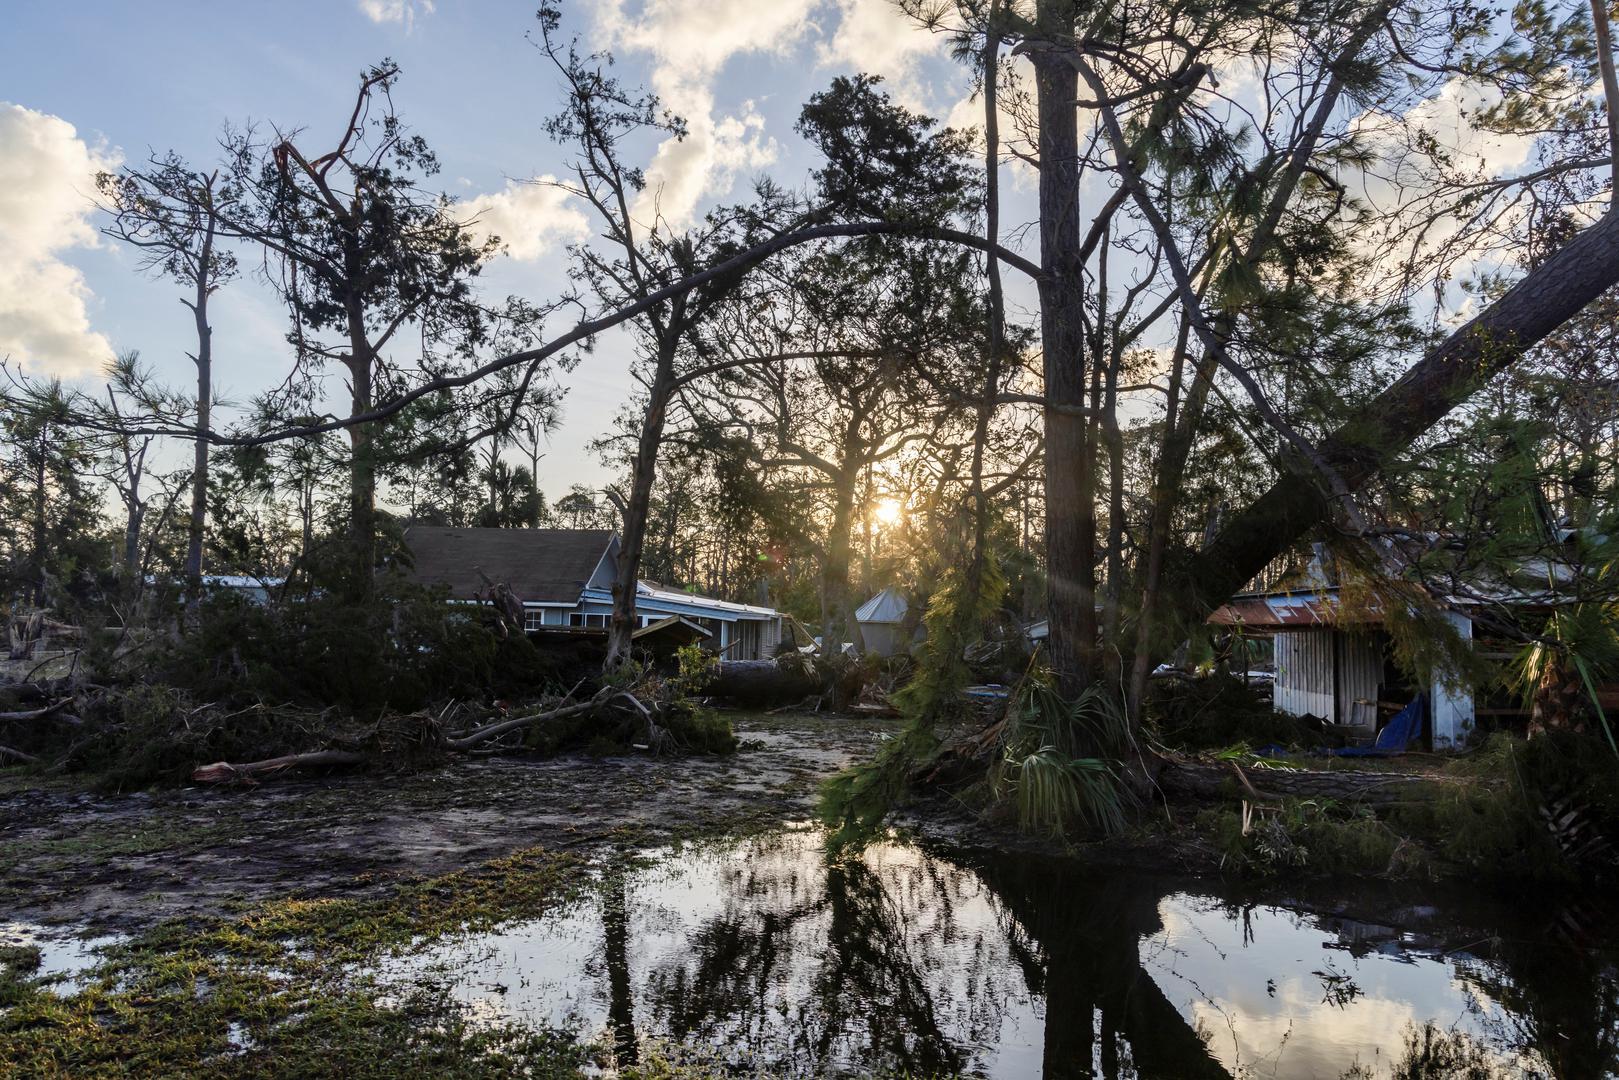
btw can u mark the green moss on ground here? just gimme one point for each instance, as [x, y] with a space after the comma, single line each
[280, 990]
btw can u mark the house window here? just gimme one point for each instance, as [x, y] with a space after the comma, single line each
[577, 618]
[533, 618]
[596, 620]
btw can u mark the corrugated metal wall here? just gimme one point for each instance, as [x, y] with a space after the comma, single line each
[1304, 673]
[1360, 673]
[1330, 674]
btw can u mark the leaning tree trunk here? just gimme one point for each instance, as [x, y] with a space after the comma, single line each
[1379, 431]
[1070, 517]
[632, 541]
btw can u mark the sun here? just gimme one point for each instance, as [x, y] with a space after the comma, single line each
[888, 511]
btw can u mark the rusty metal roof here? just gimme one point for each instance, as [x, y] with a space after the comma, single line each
[1280, 611]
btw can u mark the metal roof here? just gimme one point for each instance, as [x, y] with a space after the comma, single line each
[888, 606]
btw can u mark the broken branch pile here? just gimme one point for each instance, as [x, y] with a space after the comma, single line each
[138, 735]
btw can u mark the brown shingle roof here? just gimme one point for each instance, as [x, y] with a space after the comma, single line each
[540, 565]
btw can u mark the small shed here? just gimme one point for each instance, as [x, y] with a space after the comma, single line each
[883, 624]
[1343, 670]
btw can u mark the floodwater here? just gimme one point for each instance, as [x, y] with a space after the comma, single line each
[63, 955]
[765, 956]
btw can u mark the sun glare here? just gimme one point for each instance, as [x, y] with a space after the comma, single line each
[888, 512]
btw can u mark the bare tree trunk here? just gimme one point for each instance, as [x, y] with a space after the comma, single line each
[1070, 517]
[363, 463]
[996, 315]
[840, 605]
[534, 456]
[39, 523]
[632, 541]
[134, 514]
[205, 375]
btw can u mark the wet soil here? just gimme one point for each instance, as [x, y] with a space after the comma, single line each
[107, 863]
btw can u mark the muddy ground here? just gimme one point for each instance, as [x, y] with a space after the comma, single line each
[121, 863]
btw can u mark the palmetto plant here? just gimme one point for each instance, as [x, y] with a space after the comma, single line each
[1060, 759]
[1558, 673]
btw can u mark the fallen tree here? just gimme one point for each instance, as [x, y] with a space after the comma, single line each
[1190, 778]
[1380, 431]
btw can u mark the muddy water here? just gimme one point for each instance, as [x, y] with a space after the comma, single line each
[768, 956]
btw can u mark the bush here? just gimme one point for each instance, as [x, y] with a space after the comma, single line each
[1221, 710]
[404, 650]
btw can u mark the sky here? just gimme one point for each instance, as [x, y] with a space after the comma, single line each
[90, 84]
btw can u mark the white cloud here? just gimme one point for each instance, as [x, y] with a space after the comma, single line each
[875, 37]
[690, 41]
[47, 175]
[1401, 176]
[531, 219]
[395, 11]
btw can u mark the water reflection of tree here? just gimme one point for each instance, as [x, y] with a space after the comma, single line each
[1104, 1011]
[811, 964]
[616, 953]
[905, 963]
[1559, 1002]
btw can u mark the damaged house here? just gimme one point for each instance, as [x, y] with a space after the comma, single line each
[564, 578]
[1334, 652]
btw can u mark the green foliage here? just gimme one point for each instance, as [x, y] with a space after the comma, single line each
[854, 802]
[955, 618]
[50, 513]
[696, 667]
[1319, 836]
[150, 735]
[1498, 826]
[1059, 759]
[700, 730]
[1491, 823]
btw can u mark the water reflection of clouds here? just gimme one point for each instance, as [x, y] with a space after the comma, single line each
[1252, 979]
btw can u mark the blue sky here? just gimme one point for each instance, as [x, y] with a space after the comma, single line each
[92, 83]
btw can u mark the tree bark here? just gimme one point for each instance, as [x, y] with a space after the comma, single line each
[205, 375]
[632, 542]
[1206, 780]
[223, 771]
[841, 625]
[1070, 517]
[361, 363]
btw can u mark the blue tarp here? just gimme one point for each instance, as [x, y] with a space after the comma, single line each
[1397, 735]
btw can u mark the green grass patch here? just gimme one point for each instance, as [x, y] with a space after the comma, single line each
[281, 990]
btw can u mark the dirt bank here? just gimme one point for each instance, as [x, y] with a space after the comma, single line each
[124, 862]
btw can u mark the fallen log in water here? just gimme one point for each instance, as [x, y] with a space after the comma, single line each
[1211, 780]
